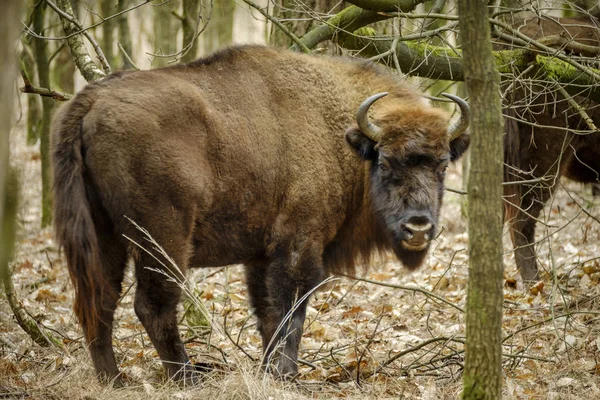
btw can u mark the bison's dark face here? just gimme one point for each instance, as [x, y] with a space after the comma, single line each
[409, 149]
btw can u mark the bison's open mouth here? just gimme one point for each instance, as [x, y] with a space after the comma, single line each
[412, 246]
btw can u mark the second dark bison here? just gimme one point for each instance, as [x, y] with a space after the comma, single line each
[543, 140]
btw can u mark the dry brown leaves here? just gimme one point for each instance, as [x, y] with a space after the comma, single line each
[361, 340]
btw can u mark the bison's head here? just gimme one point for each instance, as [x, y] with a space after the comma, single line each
[409, 147]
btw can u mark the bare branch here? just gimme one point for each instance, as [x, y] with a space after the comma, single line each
[87, 28]
[122, 49]
[281, 27]
[28, 324]
[578, 108]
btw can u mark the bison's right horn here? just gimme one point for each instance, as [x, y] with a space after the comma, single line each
[370, 130]
[457, 129]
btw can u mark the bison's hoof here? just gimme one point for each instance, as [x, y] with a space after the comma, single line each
[285, 370]
[187, 376]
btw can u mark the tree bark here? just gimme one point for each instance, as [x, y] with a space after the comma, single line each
[482, 377]
[82, 59]
[40, 47]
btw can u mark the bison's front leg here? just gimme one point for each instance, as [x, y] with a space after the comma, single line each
[279, 292]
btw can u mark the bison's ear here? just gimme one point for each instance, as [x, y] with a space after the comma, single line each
[364, 146]
[458, 146]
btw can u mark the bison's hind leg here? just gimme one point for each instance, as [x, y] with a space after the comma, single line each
[113, 258]
[279, 291]
[159, 286]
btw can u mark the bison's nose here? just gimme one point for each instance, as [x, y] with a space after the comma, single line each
[417, 229]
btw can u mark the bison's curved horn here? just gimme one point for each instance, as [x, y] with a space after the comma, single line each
[457, 128]
[370, 130]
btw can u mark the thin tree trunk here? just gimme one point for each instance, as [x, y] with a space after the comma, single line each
[34, 103]
[219, 31]
[482, 377]
[80, 55]
[40, 47]
[9, 29]
[125, 35]
[63, 71]
[189, 19]
[108, 31]
[164, 33]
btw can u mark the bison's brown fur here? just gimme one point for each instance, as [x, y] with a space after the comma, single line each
[540, 141]
[248, 156]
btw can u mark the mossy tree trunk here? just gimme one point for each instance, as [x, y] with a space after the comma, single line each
[125, 34]
[482, 377]
[40, 47]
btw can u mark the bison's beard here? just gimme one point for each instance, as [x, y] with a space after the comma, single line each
[411, 259]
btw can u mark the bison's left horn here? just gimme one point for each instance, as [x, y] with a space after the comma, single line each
[457, 128]
[370, 130]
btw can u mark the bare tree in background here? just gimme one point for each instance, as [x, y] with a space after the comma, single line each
[165, 32]
[42, 60]
[125, 35]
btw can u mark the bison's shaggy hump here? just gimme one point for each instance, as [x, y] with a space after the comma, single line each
[251, 155]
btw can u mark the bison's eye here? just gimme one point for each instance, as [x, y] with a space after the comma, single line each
[441, 172]
[383, 164]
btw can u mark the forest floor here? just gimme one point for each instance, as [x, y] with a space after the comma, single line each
[362, 340]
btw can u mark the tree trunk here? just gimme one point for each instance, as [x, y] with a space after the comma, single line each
[34, 103]
[9, 29]
[125, 35]
[189, 19]
[40, 47]
[108, 31]
[219, 31]
[80, 55]
[63, 71]
[165, 33]
[483, 355]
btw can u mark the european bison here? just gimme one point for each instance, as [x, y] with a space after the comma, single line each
[247, 156]
[541, 142]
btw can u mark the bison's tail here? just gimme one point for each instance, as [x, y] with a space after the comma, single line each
[73, 220]
[512, 163]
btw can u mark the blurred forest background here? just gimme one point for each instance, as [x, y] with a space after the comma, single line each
[363, 340]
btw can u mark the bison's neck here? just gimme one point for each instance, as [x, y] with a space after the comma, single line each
[361, 237]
